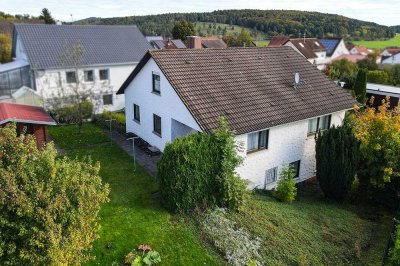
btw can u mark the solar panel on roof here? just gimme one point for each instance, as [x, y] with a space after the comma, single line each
[329, 45]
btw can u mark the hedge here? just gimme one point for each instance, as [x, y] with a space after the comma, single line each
[119, 124]
[198, 170]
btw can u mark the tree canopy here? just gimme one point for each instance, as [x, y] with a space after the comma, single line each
[243, 39]
[5, 48]
[272, 22]
[48, 206]
[46, 16]
[182, 29]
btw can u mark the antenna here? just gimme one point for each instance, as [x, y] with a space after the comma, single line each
[72, 19]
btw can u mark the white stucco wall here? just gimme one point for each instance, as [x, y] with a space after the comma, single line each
[167, 105]
[395, 59]
[50, 83]
[287, 143]
[341, 49]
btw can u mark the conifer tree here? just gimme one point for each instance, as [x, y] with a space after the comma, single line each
[337, 160]
[360, 86]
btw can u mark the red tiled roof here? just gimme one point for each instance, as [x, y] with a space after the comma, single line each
[351, 57]
[362, 49]
[278, 41]
[24, 113]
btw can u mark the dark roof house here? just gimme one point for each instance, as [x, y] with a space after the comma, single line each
[252, 87]
[168, 44]
[330, 45]
[196, 42]
[102, 45]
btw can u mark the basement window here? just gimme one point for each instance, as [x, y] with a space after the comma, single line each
[257, 141]
[296, 167]
[107, 99]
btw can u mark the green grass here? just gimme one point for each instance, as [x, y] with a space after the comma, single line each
[314, 231]
[381, 44]
[202, 28]
[134, 215]
[311, 231]
[262, 43]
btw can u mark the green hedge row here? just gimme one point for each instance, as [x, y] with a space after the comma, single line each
[119, 124]
[198, 170]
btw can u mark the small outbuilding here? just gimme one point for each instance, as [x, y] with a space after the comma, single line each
[29, 119]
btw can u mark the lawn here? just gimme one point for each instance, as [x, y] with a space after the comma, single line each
[314, 231]
[134, 215]
[311, 231]
[381, 44]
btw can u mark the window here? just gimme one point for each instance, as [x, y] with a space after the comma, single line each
[157, 124]
[156, 83]
[107, 99]
[257, 140]
[103, 73]
[88, 75]
[296, 167]
[71, 77]
[271, 175]
[136, 112]
[318, 123]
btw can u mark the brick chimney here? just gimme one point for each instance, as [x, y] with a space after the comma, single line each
[194, 42]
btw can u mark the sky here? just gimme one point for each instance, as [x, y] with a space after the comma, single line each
[385, 12]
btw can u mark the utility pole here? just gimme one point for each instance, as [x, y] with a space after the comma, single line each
[134, 152]
[110, 120]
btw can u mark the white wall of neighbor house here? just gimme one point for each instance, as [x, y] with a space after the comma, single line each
[341, 49]
[167, 105]
[49, 83]
[287, 143]
[394, 59]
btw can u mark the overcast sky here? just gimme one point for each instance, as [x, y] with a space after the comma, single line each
[386, 12]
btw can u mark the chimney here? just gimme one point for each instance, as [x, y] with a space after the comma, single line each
[194, 42]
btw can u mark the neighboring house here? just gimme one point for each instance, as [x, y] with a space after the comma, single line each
[29, 119]
[196, 42]
[110, 53]
[175, 92]
[392, 60]
[351, 57]
[380, 92]
[335, 47]
[168, 44]
[360, 50]
[311, 48]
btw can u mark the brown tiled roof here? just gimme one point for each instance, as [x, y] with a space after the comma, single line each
[251, 87]
[278, 41]
[218, 43]
[362, 49]
[308, 46]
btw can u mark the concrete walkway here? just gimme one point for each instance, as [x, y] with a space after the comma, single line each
[149, 163]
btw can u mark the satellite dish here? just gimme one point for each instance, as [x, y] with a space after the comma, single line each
[296, 78]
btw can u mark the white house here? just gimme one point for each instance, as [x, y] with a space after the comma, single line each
[335, 47]
[311, 48]
[175, 92]
[392, 60]
[108, 55]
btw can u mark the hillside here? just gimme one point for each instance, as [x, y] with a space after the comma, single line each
[270, 22]
[396, 28]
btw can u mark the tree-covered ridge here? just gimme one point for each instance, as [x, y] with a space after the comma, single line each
[396, 28]
[272, 22]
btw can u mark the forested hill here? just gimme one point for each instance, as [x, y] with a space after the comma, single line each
[272, 22]
[396, 28]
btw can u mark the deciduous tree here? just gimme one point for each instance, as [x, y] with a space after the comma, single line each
[48, 206]
[5, 48]
[182, 29]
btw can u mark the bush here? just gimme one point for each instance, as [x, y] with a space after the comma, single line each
[378, 76]
[70, 114]
[337, 161]
[199, 170]
[143, 255]
[238, 247]
[48, 206]
[119, 124]
[286, 190]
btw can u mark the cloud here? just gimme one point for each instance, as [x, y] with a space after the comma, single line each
[382, 12]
